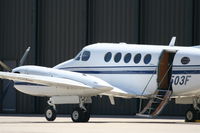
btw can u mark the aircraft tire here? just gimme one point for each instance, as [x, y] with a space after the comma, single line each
[50, 113]
[80, 115]
[86, 116]
[190, 115]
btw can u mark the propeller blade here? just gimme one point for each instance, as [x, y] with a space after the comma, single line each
[6, 88]
[24, 56]
[6, 67]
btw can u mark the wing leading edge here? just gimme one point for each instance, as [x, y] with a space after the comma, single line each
[97, 88]
[53, 81]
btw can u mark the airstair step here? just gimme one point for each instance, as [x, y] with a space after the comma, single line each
[155, 105]
[159, 98]
[144, 115]
[163, 91]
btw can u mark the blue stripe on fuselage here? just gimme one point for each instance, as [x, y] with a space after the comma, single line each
[90, 67]
[117, 72]
[139, 72]
[144, 71]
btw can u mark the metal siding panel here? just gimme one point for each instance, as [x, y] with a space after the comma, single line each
[173, 109]
[54, 43]
[113, 21]
[16, 20]
[196, 23]
[163, 19]
[102, 106]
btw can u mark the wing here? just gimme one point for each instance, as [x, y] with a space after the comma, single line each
[99, 87]
[56, 82]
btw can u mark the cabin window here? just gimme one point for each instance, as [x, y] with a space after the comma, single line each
[127, 58]
[108, 56]
[85, 55]
[147, 58]
[185, 60]
[118, 57]
[137, 58]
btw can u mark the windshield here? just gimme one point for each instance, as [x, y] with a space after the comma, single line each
[85, 55]
[78, 57]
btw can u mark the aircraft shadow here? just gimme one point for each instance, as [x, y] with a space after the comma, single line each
[96, 122]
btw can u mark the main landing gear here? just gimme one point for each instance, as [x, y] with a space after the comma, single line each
[79, 114]
[50, 113]
[193, 113]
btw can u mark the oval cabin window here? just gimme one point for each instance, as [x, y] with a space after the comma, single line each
[147, 59]
[185, 60]
[127, 58]
[108, 56]
[137, 58]
[117, 57]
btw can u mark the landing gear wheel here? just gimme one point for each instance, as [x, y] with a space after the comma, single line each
[50, 113]
[191, 115]
[86, 116]
[80, 115]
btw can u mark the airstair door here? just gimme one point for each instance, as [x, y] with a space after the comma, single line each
[164, 71]
[164, 88]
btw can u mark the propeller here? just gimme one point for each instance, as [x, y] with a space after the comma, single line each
[23, 59]
[7, 68]
[21, 63]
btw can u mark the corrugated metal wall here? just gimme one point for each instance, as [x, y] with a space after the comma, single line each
[15, 36]
[113, 21]
[196, 26]
[62, 30]
[58, 29]
[162, 19]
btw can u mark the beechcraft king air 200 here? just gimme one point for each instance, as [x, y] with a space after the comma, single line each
[157, 73]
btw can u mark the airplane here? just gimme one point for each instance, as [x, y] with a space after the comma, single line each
[157, 73]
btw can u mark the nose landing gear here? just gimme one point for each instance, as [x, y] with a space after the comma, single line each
[50, 111]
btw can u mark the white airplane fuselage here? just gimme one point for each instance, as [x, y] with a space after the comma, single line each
[134, 78]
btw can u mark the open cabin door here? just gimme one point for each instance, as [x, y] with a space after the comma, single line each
[164, 87]
[164, 70]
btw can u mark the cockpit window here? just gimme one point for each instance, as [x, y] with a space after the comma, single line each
[78, 56]
[85, 55]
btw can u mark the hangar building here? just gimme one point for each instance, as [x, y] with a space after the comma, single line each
[56, 30]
